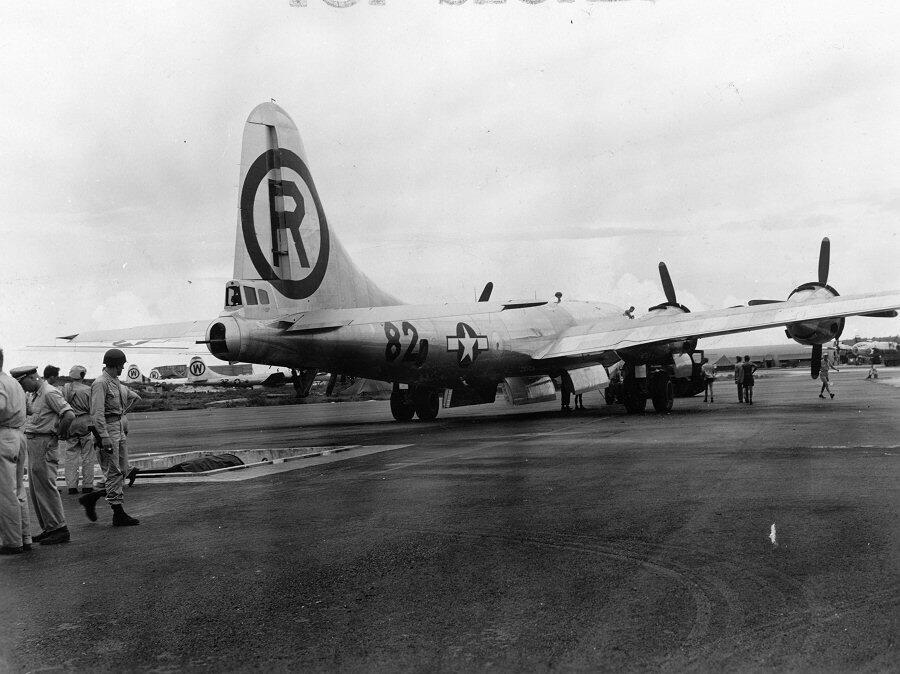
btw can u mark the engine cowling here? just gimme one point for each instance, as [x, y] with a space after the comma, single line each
[818, 331]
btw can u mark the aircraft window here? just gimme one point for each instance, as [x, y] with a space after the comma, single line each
[232, 296]
[250, 294]
[263, 297]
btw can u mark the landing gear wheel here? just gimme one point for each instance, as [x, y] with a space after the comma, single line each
[663, 395]
[401, 405]
[635, 401]
[427, 406]
[609, 396]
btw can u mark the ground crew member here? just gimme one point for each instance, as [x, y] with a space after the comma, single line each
[709, 377]
[823, 375]
[565, 388]
[14, 527]
[50, 419]
[80, 446]
[108, 404]
[749, 368]
[739, 378]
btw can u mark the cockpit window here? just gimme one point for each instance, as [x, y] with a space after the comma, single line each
[250, 295]
[232, 296]
[263, 296]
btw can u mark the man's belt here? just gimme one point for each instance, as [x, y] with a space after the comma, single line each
[30, 434]
[112, 417]
[15, 428]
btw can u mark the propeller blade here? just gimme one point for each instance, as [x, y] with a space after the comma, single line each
[332, 380]
[824, 257]
[891, 313]
[486, 293]
[815, 364]
[668, 288]
[753, 303]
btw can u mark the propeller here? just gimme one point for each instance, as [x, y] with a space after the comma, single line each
[668, 290]
[824, 258]
[824, 264]
[668, 287]
[815, 364]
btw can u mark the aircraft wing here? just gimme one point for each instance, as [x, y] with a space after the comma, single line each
[597, 338]
[186, 332]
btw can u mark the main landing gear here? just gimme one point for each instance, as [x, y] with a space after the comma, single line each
[414, 401]
[658, 387]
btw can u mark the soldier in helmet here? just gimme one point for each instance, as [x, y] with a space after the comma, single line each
[109, 401]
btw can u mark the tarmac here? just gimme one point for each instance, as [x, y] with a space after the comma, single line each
[720, 537]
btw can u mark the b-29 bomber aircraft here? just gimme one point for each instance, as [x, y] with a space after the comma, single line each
[298, 301]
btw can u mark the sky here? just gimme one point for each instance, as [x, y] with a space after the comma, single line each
[555, 146]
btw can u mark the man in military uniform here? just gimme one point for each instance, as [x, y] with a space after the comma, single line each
[109, 401]
[80, 446]
[14, 533]
[50, 419]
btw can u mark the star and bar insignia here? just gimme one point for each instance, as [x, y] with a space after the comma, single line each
[467, 344]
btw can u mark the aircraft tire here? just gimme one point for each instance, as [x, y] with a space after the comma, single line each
[401, 408]
[427, 407]
[635, 402]
[663, 395]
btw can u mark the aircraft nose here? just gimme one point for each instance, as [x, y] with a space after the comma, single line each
[223, 338]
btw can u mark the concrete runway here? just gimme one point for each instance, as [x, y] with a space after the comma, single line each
[493, 539]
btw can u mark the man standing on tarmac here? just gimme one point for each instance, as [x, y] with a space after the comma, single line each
[108, 405]
[49, 421]
[80, 446]
[739, 378]
[14, 534]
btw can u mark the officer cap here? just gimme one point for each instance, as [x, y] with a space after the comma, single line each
[114, 357]
[19, 373]
[77, 372]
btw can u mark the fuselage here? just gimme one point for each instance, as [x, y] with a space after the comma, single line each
[430, 345]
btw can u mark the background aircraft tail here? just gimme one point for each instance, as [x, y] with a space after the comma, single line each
[285, 246]
[198, 372]
[132, 374]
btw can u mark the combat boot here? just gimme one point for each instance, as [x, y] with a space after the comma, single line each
[89, 501]
[60, 535]
[121, 518]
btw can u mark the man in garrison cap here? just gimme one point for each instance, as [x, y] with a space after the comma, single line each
[49, 420]
[15, 537]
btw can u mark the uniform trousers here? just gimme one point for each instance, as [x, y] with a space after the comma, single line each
[80, 454]
[114, 463]
[14, 515]
[43, 463]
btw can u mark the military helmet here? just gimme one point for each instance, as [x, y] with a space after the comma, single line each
[114, 358]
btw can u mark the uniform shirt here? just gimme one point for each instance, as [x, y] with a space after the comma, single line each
[109, 396]
[12, 402]
[78, 395]
[738, 373]
[47, 406]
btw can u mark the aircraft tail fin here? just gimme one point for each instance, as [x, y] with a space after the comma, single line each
[285, 246]
[198, 372]
[133, 374]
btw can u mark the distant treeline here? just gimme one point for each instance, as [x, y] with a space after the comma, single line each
[892, 338]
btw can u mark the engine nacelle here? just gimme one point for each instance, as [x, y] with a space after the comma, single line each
[660, 353]
[819, 331]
